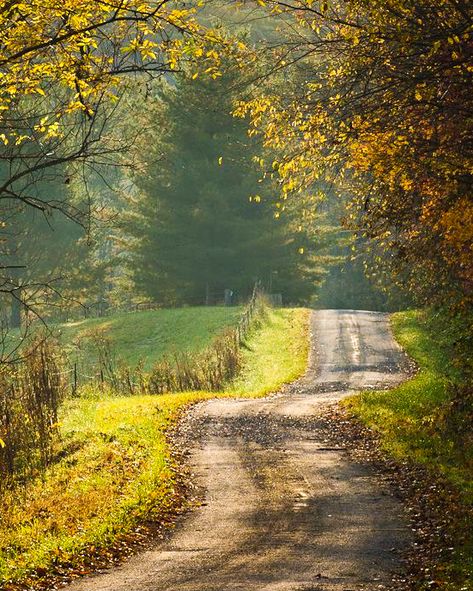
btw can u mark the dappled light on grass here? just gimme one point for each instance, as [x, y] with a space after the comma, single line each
[120, 469]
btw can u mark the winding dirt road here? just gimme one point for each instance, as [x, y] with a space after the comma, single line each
[282, 510]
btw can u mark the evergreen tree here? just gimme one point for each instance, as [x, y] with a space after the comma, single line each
[198, 225]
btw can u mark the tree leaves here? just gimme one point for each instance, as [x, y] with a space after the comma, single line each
[379, 103]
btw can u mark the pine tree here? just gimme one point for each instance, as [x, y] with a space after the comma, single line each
[202, 221]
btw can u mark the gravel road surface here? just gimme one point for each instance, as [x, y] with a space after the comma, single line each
[282, 510]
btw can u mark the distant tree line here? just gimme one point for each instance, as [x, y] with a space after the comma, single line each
[200, 220]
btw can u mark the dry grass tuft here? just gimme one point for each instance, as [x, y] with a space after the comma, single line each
[30, 395]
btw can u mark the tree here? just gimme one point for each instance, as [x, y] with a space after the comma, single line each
[64, 69]
[204, 222]
[382, 106]
[63, 63]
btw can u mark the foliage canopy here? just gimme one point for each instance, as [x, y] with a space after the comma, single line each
[383, 108]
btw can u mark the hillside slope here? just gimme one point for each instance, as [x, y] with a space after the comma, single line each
[147, 336]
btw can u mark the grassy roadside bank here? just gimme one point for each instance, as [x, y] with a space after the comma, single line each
[409, 421]
[118, 469]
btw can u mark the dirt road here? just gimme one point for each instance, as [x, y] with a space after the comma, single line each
[283, 510]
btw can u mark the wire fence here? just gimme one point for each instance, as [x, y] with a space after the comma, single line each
[245, 322]
[103, 307]
[221, 353]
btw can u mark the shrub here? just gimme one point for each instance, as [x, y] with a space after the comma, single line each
[30, 394]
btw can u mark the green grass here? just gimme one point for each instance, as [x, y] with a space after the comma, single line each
[119, 469]
[410, 422]
[148, 336]
[407, 416]
[276, 353]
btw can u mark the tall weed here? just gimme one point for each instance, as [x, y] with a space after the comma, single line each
[30, 395]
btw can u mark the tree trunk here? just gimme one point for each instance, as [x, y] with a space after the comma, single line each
[15, 317]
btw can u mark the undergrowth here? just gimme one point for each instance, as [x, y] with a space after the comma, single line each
[30, 396]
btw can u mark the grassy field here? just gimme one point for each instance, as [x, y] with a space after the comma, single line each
[119, 469]
[147, 336]
[409, 419]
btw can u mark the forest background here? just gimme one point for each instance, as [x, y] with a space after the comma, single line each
[160, 154]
